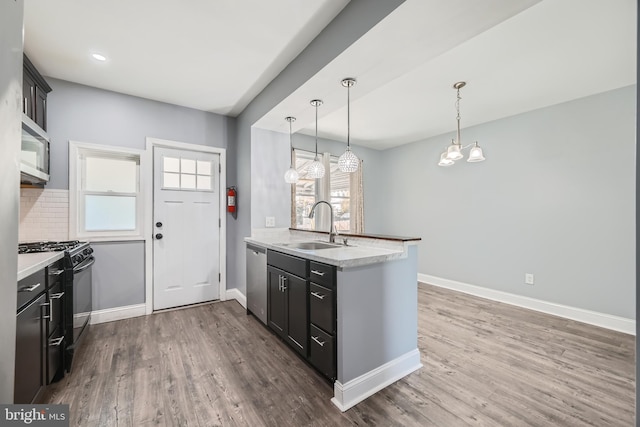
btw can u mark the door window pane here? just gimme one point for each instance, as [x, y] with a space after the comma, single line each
[204, 182]
[204, 168]
[104, 213]
[188, 182]
[187, 166]
[171, 164]
[170, 180]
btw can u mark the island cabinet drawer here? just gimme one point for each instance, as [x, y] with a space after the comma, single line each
[322, 352]
[321, 307]
[322, 274]
[288, 263]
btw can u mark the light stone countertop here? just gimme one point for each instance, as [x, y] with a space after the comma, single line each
[31, 263]
[361, 251]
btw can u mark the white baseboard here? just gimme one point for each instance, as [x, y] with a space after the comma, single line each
[117, 313]
[616, 323]
[236, 295]
[355, 391]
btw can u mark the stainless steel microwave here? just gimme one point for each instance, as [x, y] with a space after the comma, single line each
[34, 156]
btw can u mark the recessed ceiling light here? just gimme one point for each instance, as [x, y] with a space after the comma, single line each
[98, 57]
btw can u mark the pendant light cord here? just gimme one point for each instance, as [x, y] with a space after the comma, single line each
[348, 115]
[290, 147]
[458, 98]
[316, 158]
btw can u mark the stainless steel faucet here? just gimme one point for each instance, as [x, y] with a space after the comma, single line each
[333, 232]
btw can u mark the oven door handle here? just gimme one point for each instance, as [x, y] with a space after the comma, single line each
[82, 267]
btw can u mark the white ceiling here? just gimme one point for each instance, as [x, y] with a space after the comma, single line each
[212, 55]
[516, 55]
[551, 52]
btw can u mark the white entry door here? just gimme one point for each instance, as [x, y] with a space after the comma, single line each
[186, 227]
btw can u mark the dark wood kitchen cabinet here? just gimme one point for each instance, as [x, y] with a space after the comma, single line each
[301, 308]
[322, 318]
[287, 310]
[39, 332]
[34, 94]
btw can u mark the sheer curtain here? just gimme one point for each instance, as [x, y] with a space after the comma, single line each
[356, 195]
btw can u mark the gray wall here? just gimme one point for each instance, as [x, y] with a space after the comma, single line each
[117, 277]
[10, 131]
[88, 114]
[271, 196]
[555, 198]
[357, 17]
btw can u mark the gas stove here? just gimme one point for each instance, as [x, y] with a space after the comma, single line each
[35, 247]
[76, 252]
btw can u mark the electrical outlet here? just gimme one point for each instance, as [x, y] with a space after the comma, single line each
[271, 221]
[528, 278]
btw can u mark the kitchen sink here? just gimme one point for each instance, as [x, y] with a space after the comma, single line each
[310, 246]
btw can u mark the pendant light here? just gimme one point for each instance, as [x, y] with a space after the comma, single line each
[348, 162]
[291, 175]
[316, 168]
[454, 151]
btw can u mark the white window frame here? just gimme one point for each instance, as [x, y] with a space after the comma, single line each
[77, 152]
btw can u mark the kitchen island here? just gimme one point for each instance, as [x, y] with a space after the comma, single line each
[376, 315]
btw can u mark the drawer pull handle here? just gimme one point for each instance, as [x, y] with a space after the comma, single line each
[55, 342]
[46, 304]
[30, 288]
[57, 272]
[320, 343]
[317, 295]
[56, 296]
[319, 273]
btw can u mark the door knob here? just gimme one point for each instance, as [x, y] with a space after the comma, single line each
[158, 224]
[159, 236]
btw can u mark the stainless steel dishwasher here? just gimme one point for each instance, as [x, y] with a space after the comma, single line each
[257, 282]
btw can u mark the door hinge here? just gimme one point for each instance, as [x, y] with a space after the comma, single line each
[219, 277]
[219, 167]
[219, 222]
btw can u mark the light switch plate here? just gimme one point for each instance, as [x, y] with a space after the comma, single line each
[271, 221]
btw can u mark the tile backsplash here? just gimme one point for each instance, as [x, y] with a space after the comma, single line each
[44, 215]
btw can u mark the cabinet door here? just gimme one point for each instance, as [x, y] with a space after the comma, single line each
[41, 108]
[298, 320]
[28, 94]
[276, 311]
[29, 357]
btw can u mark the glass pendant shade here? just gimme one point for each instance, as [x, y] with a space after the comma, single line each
[444, 161]
[348, 162]
[315, 169]
[475, 154]
[291, 176]
[453, 152]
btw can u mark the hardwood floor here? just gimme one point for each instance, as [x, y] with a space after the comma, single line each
[485, 363]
